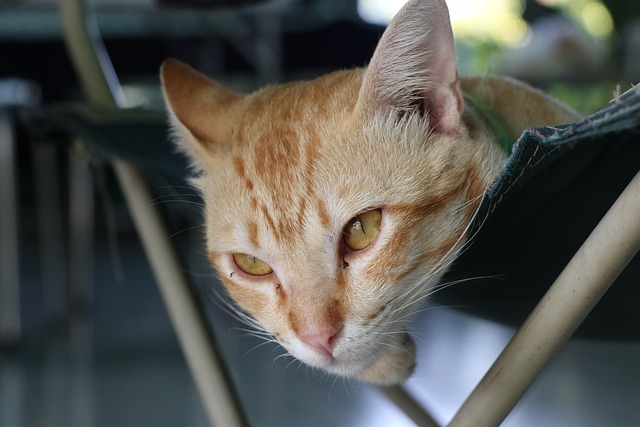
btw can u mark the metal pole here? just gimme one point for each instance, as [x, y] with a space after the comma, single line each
[596, 265]
[100, 83]
[88, 54]
[408, 405]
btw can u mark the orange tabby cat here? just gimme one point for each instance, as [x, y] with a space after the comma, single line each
[334, 206]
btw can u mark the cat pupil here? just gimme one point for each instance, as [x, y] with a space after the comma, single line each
[361, 231]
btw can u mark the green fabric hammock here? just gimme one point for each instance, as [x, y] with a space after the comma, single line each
[558, 183]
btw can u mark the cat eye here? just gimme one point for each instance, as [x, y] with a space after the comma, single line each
[252, 265]
[361, 230]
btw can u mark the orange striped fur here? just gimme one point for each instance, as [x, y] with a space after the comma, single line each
[285, 169]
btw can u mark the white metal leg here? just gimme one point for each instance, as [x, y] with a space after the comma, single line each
[596, 265]
[412, 409]
[193, 335]
[89, 57]
[100, 82]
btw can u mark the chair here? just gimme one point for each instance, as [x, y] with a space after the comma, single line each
[594, 162]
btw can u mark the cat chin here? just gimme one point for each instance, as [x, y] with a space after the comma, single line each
[395, 366]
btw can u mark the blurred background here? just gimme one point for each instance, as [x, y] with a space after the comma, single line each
[84, 337]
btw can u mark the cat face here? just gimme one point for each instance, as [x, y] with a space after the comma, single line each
[333, 206]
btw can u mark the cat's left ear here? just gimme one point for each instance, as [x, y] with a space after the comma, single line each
[414, 67]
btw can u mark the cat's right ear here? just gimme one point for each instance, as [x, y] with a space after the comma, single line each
[414, 68]
[199, 107]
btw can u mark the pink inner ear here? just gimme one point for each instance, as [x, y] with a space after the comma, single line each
[416, 55]
[447, 104]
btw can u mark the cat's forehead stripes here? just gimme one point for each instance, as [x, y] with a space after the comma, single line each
[238, 166]
[275, 159]
[253, 232]
[273, 175]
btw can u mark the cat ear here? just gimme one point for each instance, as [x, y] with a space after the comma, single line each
[199, 107]
[414, 67]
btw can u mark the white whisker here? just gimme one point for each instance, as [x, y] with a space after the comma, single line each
[252, 349]
[158, 202]
[233, 311]
[184, 230]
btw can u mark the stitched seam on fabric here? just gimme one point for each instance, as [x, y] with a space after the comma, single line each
[522, 170]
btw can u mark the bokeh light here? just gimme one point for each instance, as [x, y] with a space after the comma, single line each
[498, 21]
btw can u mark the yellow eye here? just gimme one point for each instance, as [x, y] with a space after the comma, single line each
[361, 230]
[252, 265]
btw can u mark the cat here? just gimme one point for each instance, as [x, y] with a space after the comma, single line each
[333, 206]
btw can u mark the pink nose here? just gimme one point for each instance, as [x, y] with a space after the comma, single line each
[323, 342]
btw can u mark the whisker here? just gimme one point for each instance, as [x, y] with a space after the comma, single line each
[232, 310]
[395, 347]
[252, 349]
[283, 355]
[174, 194]
[446, 285]
[176, 187]
[294, 360]
[413, 296]
[184, 230]
[177, 197]
[156, 203]
[333, 384]
[258, 335]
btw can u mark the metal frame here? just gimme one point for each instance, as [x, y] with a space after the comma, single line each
[585, 279]
[101, 86]
[569, 300]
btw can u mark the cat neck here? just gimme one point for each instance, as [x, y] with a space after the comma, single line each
[495, 124]
[513, 105]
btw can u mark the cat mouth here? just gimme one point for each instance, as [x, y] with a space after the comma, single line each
[341, 365]
[343, 359]
[385, 363]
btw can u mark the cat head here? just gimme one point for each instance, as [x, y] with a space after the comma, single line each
[333, 206]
